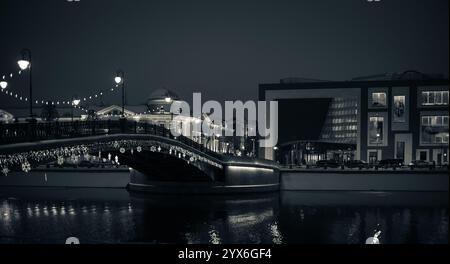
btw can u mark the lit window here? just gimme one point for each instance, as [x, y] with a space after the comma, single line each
[399, 109]
[376, 130]
[379, 99]
[435, 98]
[434, 130]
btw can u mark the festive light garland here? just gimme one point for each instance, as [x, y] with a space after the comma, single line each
[5, 80]
[26, 160]
[5, 91]
[19, 97]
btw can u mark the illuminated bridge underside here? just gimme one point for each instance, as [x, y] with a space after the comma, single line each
[161, 164]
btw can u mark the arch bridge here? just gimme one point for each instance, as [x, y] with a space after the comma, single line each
[159, 161]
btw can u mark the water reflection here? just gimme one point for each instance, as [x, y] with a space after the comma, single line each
[115, 216]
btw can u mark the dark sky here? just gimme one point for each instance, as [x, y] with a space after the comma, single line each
[223, 49]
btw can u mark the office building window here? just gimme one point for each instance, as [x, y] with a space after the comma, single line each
[423, 155]
[434, 130]
[379, 100]
[399, 109]
[376, 124]
[430, 98]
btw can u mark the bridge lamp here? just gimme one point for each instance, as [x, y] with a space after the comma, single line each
[120, 80]
[25, 63]
[76, 102]
[3, 84]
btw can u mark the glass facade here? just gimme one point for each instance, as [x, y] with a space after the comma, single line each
[341, 124]
[434, 129]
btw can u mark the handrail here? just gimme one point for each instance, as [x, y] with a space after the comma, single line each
[30, 132]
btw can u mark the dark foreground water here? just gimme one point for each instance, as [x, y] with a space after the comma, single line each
[115, 216]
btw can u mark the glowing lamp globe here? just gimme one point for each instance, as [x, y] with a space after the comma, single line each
[76, 102]
[118, 80]
[3, 84]
[23, 64]
[168, 100]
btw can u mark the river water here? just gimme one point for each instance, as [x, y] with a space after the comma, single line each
[49, 216]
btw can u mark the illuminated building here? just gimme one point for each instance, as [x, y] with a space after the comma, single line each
[402, 116]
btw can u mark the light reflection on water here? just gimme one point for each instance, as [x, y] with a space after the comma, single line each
[115, 216]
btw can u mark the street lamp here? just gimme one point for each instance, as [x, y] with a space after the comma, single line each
[3, 84]
[25, 63]
[275, 154]
[120, 80]
[75, 103]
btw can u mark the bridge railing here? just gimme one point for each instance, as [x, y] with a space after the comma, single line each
[36, 131]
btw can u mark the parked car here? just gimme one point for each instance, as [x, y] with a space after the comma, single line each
[390, 163]
[357, 164]
[419, 164]
[327, 163]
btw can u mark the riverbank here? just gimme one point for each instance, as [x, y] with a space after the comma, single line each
[69, 177]
[365, 180]
[290, 180]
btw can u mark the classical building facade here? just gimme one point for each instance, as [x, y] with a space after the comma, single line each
[156, 111]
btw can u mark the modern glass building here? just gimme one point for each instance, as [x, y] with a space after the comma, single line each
[402, 116]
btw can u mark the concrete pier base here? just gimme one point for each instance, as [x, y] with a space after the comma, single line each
[320, 180]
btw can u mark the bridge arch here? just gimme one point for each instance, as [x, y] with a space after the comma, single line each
[158, 163]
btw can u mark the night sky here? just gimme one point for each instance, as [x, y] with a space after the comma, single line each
[223, 49]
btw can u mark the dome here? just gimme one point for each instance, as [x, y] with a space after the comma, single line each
[5, 116]
[162, 94]
[160, 101]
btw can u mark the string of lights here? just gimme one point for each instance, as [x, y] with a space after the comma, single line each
[5, 89]
[7, 79]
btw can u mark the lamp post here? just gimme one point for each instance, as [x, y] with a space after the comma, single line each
[275, 153]
[120, 80]
[75, 103]
[3, 83]
[25, 63]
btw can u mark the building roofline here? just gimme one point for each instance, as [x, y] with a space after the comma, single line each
[347, 84]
